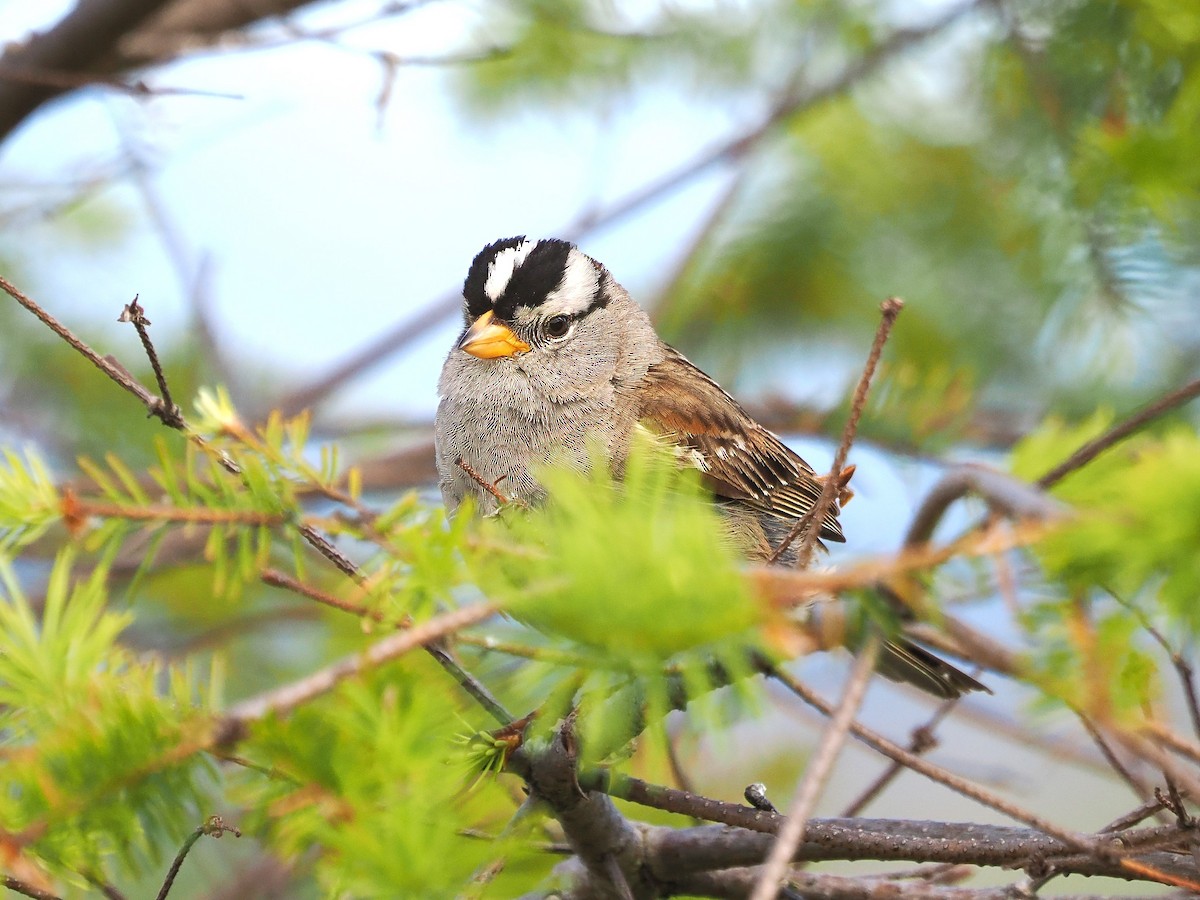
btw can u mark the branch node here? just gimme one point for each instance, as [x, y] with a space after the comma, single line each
[756, 796]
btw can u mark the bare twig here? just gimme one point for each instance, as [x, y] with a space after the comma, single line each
[114, 371]
[1176, 742]
[488, 486]
[1183, 668]
[324, 546]
[1140, 789]
[1134, 817]
[289, 696]
[674, 800]
[1002, 493]
[936, 773]
[810, 523]
[1118, 433]
[818, 771]
[275, 578]
[29, 890]
[922, 742]
[216, 827]
[108, 890]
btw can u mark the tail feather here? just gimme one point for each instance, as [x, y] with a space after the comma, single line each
[910, 663]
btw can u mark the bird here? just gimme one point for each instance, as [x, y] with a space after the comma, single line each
[556, 358]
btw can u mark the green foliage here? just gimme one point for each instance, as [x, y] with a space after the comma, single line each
[921, 406]
[571, 52]
[29, 499]
[90, 732]
[1137, 515]
[1126, 555]
[617, 556]
[364, 776]
[631, 578]
[1093, 656]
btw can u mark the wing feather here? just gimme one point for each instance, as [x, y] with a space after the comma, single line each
[739, 458]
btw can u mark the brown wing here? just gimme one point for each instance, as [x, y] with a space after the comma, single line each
[740, 459]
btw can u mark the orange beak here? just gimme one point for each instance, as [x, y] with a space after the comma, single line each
[489, 339]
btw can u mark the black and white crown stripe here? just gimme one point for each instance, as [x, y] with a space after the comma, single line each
[502, 266]
[551, 275]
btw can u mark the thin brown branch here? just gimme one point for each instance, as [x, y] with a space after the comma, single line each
[114, 371]
[1140, 789]
[324, 546]
[810, 523]
[819, 769]
[215, 827]
[77, 510]
[1119, 432]
[27, 889]
[289, 696]
[275, 578]
[488, 486]
[936, 773]
[681, 802]
[1183, 668]
[921, 742]
[109, 891]
[1176, 742]
[135, 313]
[1133, 817]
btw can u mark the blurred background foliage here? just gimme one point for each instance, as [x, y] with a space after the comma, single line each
[1028, 179]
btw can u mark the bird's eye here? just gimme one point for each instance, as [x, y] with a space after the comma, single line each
[557, 326]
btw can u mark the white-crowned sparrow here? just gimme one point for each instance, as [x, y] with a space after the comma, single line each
[556, 356]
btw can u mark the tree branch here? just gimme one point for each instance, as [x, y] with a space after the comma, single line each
[216, 827]
[831, 484]
[289, 696]
[817, 773]
[1119, 432]
[82, 38]
[956, 783]
[672, 851]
